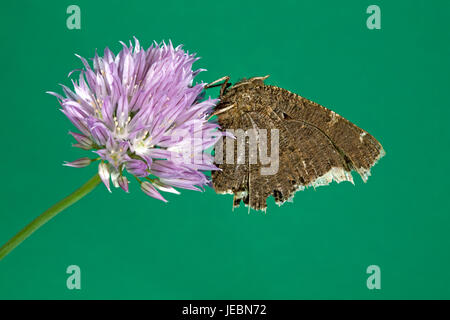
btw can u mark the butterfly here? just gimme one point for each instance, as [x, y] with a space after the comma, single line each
[307, 144]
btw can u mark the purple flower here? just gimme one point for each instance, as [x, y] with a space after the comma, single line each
[140, 113]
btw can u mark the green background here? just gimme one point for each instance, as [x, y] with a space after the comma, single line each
[392, 82]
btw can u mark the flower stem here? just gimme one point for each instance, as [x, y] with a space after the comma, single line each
[49, 214]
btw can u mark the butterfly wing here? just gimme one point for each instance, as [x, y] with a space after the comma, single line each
[360, 149]
[314, 146]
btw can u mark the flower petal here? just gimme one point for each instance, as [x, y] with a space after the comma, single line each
[137, 168]
[164, 187]
[123, 183]
[151, 191]
[104, 174]
[79, 163]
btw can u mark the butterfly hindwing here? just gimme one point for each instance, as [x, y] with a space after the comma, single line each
[314, 144]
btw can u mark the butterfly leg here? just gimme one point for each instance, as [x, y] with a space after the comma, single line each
[217, 83]
[215, 113]
[255, 80]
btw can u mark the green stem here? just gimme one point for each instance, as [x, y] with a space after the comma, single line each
[49, 214]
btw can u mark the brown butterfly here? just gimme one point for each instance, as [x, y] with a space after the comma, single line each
[305, 144]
